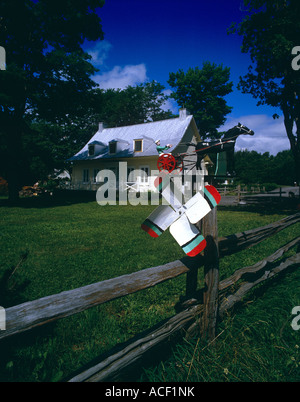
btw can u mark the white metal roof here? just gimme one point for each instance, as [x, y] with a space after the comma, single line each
[168, 131]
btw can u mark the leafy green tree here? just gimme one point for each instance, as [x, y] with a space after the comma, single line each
[202, 92]
[47, 76]
[253, 167]
[132, 105]
[270, 32]
[284, 168]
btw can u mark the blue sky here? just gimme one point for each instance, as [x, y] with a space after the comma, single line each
[145, 40]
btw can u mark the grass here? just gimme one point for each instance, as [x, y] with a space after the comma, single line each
[62, 246]
[254, 344]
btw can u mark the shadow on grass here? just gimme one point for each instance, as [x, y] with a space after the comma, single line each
[59, 198]
[11, 289]
[145, 359]
[23, 346]
[265, 205]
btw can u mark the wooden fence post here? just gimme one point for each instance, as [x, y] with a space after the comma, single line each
[238, 193]
[211, 276]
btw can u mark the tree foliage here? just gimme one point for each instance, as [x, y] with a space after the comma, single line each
[47, 75]
[270, 31]
[49, 104]
[202, 92]
[132, 105]
[253, 167]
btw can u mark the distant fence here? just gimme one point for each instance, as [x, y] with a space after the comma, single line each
[194, 315]
[243, 191]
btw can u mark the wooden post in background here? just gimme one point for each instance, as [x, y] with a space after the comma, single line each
[239, 193]
[211, 276]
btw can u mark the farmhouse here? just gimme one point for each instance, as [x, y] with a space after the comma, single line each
[134, 145]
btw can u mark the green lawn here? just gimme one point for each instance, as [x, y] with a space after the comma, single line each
[72, 244]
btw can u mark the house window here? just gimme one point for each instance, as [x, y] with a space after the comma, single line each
[138, 145]
[144, 174]
[95, 172]
[91, 150]
[113, 147]
[86, 176]
[131, 174]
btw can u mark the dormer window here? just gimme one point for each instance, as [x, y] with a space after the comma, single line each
[113, 147]
[91, 149]
[96, 147]
[138, 146]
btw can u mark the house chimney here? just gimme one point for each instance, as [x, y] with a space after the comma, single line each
[183, 113]
[100, 127]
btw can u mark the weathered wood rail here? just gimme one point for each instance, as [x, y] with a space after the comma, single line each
[50, 308]
[116, 366]
[35, 313]
[240, 241]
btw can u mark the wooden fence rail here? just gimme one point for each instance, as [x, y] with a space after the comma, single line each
[47, 309]
[120, 362]
[240, 241]
[42, 311]
[266, 271]
[50, 308]
[240, 273]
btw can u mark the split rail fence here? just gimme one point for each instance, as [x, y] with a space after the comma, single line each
[241, 192]
[193, 316]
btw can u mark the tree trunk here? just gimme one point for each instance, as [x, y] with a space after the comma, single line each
[295, 145]
[14, 161]
[297, 156]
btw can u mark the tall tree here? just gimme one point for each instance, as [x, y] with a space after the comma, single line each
[47, 73]
[132, 105]
[270, 32]
[202, 92]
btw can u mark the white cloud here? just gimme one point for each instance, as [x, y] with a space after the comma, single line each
[170, 103]
[269, 134]
[121, 77]
[99, 52]
[118, 77]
